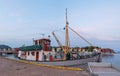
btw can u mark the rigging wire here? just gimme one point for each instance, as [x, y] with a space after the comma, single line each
[80, 36]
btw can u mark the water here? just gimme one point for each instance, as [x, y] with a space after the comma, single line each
[11, 56]
[115, 59]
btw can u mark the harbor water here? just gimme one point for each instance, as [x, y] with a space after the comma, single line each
[114, 59]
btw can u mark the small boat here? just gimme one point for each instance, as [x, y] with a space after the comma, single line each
[43, 53]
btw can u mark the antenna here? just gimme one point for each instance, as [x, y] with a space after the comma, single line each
[43, 35]
[33, 41]
[49, 36]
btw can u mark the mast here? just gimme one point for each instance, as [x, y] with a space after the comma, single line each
[66, 34]
[66, 47]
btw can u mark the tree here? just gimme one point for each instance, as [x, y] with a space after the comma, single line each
[90, 49]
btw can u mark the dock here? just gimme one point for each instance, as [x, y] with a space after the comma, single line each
[14, 68]
[103, 69]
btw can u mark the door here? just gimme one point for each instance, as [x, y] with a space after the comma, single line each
[37, 56]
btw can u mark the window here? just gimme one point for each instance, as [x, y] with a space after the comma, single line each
[28, 53]
[33, 53]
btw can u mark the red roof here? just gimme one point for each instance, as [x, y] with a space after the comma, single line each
[43, 39]
[107, 50]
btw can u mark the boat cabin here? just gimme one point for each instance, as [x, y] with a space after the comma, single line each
[40, 51]
[45, 43]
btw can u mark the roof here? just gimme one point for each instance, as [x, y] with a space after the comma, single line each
[107, 50]
[31, 48]
[43, 39]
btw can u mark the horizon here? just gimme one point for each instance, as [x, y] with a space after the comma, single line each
[97, 21]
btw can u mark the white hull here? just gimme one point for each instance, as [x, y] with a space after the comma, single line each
[71, 62]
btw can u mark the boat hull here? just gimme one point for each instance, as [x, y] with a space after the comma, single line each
[71, 62]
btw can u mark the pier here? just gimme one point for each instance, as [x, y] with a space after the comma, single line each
[13, 68]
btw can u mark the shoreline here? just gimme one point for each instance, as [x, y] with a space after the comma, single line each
[13, 68]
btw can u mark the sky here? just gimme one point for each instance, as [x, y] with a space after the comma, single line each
[96, 20]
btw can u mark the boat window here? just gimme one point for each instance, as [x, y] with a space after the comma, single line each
[33, 53]
[28, 53]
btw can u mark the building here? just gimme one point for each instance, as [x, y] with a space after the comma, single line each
[4, 49]
[107, 51]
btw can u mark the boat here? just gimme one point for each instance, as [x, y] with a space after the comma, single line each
[103, 69]
[43, 53]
